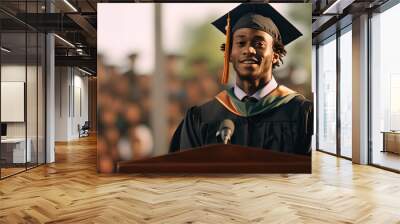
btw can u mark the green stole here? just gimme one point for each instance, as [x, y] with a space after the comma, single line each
[277, 97]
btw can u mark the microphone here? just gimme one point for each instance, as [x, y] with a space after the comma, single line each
[226, 129]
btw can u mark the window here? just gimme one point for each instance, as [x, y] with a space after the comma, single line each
[346, 92]
[385, 88]
[327, 95]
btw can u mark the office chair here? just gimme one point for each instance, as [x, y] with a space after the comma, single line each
[84, 130]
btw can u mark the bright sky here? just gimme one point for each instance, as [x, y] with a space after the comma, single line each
[124, 28]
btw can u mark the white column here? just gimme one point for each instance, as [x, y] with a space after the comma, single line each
[360, 89]
[62, 103]
[50, 98]
[50, 92]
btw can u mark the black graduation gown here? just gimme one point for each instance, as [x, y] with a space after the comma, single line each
[286, 128]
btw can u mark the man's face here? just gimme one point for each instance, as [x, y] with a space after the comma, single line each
[252, 54]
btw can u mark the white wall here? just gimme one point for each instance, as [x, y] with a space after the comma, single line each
[61, 103]
[13, 73]
[16, 73]
[70, 84]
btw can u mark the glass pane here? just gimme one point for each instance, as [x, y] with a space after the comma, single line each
[41, 99]
[13, 87]
[385, 86]
[31, 86]
[327, 96]
[31, 98]
[346, 94]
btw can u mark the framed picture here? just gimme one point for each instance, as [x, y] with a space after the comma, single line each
[195, 87]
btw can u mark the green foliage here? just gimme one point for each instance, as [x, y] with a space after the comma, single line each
[301, 49]
[203, 43]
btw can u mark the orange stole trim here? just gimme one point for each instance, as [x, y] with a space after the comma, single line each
[225, 100]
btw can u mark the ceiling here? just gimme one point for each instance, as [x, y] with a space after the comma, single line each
[332, 15]
[77, 25]
[76, 22]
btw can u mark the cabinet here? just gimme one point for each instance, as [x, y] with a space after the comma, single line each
[13, 150]
[391, 142]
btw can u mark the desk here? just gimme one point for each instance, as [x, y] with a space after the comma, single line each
[13, 150]
[391, 141]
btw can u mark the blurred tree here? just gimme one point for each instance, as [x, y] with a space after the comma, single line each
[203, 44]
[301, 14]
[296, 69]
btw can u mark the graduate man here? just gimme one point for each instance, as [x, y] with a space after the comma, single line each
[264, 114]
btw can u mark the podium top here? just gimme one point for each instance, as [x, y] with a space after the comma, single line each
[222, 158]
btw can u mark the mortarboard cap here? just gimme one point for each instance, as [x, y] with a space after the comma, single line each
[259, 16]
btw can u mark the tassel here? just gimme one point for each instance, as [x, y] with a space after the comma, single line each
[225, 74]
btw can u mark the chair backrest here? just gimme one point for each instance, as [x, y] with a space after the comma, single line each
[86, 125]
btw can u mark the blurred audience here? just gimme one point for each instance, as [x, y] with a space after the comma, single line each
[125, 106]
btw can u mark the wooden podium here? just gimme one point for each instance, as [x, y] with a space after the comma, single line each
[220, 158]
